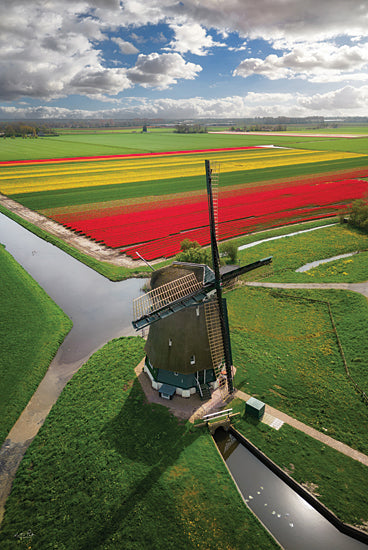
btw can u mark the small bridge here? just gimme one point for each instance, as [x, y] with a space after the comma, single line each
[217, 419]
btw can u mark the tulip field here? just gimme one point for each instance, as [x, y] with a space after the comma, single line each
[148, 203]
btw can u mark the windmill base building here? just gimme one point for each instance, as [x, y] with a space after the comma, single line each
[178, 348]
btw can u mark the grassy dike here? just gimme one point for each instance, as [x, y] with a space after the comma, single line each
[31, 329]
[108, 470]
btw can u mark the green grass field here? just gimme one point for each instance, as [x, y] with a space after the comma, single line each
[108, 470]
[32, 327]
[128, 142]
[286, 354]
[290, 253]
[88, 481]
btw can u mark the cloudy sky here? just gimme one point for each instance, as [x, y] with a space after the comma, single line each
[183, 59]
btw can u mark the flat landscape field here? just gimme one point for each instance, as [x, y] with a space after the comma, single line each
[147, 201]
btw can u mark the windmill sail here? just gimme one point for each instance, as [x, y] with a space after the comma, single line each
[222, 313]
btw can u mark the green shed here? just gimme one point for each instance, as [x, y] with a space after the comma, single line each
[255, 407]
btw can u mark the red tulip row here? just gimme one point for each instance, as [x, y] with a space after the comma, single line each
[157, 231]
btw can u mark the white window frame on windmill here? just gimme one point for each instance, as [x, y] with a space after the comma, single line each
[170, 342]
[192, 360]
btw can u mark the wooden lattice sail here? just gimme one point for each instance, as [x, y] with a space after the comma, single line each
[166, 294]
[216, 344]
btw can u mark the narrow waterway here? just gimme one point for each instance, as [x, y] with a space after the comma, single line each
[100, 310]
[277, 237]
[294, 523]
[311, 265]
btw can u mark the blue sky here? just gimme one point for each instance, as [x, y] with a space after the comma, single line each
[183, 59]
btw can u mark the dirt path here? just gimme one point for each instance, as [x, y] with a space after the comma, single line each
[327, 440]
[83, 244]
[361, 288]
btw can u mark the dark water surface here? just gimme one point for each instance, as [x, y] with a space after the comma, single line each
[291, 520]
[100, 309]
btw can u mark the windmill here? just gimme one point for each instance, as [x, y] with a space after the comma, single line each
[188, 347]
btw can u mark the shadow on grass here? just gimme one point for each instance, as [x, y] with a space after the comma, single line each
[149, 435]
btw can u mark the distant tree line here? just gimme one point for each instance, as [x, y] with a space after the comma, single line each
[24, 130]
[260, 128]
[190, 129]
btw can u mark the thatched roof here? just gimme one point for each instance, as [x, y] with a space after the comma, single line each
[176, 271]
[179, 343]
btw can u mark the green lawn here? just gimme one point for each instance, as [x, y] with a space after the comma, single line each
[290, 253]
[110, 471]
[127, 142]
[31, 330]
[286, 354]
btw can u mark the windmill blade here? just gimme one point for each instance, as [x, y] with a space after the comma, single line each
[216, 343]
[237, 271]
[216, 267]
[215, 177]
[167, 299]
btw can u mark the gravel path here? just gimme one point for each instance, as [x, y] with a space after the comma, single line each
[327, 440]
[361, 288]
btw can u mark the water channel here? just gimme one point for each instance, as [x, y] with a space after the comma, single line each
[102, 310]
[294, 523]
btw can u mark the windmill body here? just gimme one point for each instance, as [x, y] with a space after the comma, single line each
[178, 352]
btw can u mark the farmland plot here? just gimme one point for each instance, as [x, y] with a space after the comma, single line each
[148, 203]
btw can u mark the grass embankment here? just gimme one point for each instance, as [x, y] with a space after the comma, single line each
[32, 328]
[338, 481]
[286, 354]
[112, 272]
[108, 470]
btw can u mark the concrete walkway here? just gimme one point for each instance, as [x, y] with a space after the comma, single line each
[323, 438]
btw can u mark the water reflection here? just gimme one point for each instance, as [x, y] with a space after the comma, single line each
[291, 520]
[100, 309]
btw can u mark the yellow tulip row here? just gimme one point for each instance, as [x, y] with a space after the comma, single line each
[69, 168]
[72, 167]
[67, 176]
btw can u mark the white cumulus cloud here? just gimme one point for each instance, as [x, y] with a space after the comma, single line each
[125, 47]
[318, 62]
[161, 70]
[192, 38]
